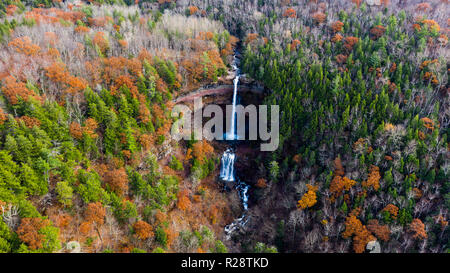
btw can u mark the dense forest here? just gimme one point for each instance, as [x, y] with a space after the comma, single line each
[88, 164]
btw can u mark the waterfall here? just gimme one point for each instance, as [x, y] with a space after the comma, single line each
[227, 170]
[227, 164]
[231, 135]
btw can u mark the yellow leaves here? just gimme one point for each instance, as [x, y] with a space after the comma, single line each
[309, 199]
[389, 127]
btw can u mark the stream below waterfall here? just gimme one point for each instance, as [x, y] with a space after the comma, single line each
[227, 170]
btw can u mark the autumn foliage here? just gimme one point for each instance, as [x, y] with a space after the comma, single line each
[418, 229]
[309, 199]
[29, 231]
[361, 235]
[290, 12]
[143, 230]
[373, 181]
[117, 179]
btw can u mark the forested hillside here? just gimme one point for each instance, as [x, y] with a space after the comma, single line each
[87, 88]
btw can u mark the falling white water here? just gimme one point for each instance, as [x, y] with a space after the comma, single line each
[241, 221]
[227, 162]
[231, 135]
[227, 170]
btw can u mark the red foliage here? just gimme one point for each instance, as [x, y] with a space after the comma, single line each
[337, 26]
[290, 12]
[349, 42]
[377, 31]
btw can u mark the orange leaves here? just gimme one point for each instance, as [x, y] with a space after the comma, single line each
[428, 123]
[118, 180]
[290, 13]
[373, 181]
[392, 209]
[123, 44]
[28, 231]
[24, 46]
[294, 44]
[95, 213]
[357, 2]
[76, 131]
[14, 90]
[192, 10]
[53, 15]
[143, 230]
[101, 41]
[337, 38]
[337, 26]
[377, 31]
[432, 25]
[183, 200]
[146, 141]
[341, 58]
[261, 183]
[362, 236]
[418, 229]
[207, 36]
[82, 29]
[382, 232]
[319, 17]
[423, 6]
[309, 199]
[58, 73]
[340, 184]
[89, 127]
[98, 21]
[338, 168]
[430, 76]
[11, 9]
[202, 149]
[251, 37]
[349, 42]
[124, 80]
[3, 118]
[30, 122]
